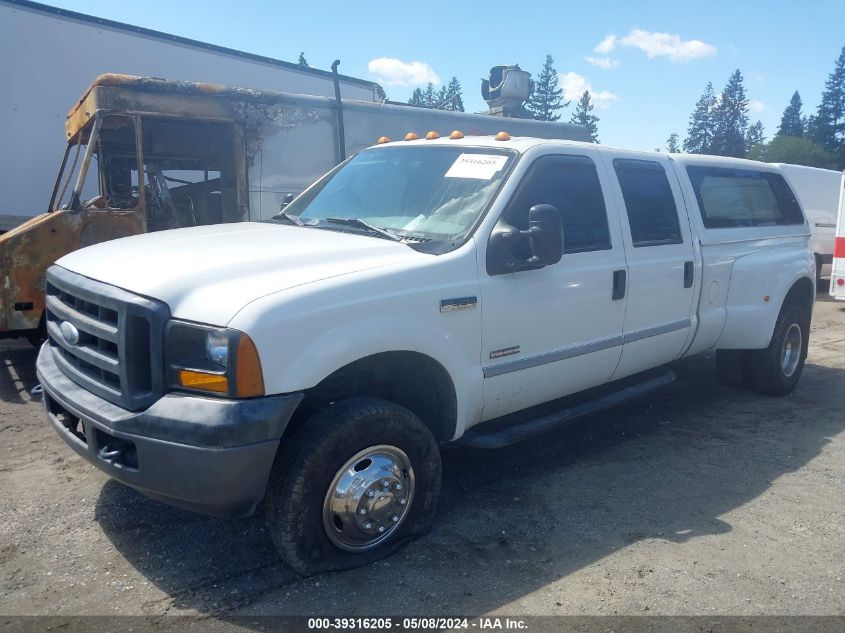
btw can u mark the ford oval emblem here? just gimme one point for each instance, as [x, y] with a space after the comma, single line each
[69, 333]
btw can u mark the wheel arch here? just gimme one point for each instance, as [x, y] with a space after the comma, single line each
[411, 379]
[802, 293]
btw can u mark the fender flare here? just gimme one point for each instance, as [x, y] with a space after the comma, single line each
[759, 285]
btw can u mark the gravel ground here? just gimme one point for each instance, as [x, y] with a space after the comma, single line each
[697, 500]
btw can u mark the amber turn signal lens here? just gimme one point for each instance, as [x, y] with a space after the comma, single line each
[456, 135]
[503, 136]
[411, 136]
[249, 381]
[383, 139]
[431, 136]
[203, 381]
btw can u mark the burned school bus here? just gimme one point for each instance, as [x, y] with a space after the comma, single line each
[151, 154]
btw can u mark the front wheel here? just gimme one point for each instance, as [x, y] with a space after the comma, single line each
[355, 482]
[775, 370]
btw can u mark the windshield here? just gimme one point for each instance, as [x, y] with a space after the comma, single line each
[419, 193]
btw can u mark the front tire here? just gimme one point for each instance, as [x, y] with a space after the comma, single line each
[775, 371]
[355, 482]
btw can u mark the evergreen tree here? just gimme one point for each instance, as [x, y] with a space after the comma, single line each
[828, 126]
[425, 98]
[792, 123]
[302, 61]
[546, 101]
[442, 97]
[730, 119]
[808, 124]
[699, 138]
[417, 98]
[449, 97]
[754, 136]
[582, 116]
[429, 96]
[672, 143]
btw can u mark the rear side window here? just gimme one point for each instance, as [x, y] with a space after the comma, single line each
[652, 214]
[730, 198]
[571, 184]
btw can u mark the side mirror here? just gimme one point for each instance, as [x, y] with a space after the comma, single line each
[511, 250]
[286, 201]
[545, 235]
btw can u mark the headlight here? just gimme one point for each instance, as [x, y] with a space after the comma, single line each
[212, 360]
[217, 347]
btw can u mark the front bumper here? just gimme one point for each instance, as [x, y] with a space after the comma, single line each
[210, 455]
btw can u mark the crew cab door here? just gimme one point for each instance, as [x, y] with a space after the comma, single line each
[550, 332]
[661, 261]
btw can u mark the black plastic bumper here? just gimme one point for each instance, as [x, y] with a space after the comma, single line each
[210, 455]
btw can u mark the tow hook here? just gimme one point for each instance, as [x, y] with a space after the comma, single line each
[37, 391]
[111, 452]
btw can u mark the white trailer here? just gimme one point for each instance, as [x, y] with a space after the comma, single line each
[818, 192]
[50, 54]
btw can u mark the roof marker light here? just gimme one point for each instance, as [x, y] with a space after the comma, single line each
[383, 139]
[432, 135]
[456, 135]
[411, 136]
[503, 136]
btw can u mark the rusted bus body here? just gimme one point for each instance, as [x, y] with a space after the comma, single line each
[151, 154]
[30, 248]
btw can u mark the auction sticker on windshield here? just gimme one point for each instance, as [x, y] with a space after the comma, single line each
[478, 166]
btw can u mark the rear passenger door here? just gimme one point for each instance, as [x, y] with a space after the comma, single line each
[660, 257]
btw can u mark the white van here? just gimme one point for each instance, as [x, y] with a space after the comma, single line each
[818, 192]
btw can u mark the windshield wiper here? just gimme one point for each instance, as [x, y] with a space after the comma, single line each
[363, 224]
[293, 219]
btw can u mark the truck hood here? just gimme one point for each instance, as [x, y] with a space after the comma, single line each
[208, 273]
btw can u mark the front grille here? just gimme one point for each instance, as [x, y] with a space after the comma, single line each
[118, 352]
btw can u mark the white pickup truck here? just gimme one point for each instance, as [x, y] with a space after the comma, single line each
[420, 293]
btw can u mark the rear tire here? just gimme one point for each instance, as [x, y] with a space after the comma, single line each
[325, 472]
[775, 370]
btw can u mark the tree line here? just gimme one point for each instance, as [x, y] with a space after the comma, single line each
[720, 124]
[545, 104]
[449, 97]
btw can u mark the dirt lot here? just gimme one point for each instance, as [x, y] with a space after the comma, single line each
[697, 500]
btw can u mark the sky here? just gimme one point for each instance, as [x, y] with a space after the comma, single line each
[646, 63]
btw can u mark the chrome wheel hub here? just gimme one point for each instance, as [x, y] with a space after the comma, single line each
[791, 352]
[368, 498]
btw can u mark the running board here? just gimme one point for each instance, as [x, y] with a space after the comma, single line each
[477, 438]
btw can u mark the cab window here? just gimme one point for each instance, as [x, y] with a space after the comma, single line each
[649, 203]
[571, 184]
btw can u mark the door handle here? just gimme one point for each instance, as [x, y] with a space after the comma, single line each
[689, 273]
[619, 282]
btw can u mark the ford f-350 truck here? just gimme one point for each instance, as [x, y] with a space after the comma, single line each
[420, 293]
